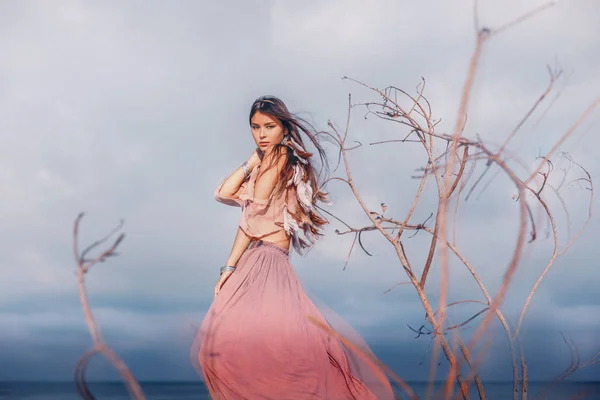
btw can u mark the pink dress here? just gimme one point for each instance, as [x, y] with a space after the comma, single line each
[257, 342]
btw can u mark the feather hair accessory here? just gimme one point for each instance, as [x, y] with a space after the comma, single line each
[300, 227]
[304, 193]
[292, 229]
[289, 222]
[289, 142]
[297, 176]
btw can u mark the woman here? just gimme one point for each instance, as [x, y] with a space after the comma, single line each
[257, 341]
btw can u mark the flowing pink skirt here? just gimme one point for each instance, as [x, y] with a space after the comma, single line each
[256, 341]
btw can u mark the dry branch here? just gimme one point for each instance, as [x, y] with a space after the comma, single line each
[100, 346]
[417, 118]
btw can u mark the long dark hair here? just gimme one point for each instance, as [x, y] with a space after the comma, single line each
[296, 155]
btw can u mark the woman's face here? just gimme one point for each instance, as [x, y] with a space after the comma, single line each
[266, 130]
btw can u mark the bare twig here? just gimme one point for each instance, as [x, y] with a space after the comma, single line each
[100, 345]
[421, 128]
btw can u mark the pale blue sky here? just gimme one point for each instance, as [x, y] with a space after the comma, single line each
[137, 110]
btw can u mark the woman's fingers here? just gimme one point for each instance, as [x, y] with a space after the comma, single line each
[259, 153]
[218, 285]
[221, 281]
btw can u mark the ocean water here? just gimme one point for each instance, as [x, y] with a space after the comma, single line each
[188, 391]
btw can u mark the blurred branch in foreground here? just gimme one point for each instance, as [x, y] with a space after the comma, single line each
[84, 263]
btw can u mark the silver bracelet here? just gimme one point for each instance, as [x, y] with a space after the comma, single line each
[245, 168]
[227, 268]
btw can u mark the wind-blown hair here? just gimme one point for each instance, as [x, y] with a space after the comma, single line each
[300, 165]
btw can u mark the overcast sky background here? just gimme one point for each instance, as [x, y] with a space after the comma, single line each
[138, 109]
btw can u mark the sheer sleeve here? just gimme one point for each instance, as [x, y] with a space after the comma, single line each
[233, 200]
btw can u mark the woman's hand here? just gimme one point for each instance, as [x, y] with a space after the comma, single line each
[222, 280]
[255, 158]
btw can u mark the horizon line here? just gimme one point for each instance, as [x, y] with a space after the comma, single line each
[2, 381]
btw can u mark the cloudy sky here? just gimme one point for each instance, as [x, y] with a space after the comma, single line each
[137, 110]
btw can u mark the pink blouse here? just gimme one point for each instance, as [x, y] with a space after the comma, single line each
[260, 217]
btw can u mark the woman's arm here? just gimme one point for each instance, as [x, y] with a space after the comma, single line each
[232, 183]
[240, 244]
